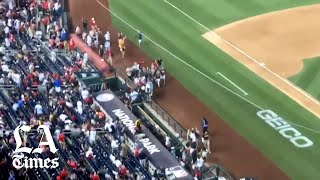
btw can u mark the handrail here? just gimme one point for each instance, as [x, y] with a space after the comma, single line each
[176, 126]
[151, 120]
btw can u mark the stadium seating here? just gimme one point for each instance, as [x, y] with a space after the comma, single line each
[73, 150]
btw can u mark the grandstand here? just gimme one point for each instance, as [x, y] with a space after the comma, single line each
[86, 148]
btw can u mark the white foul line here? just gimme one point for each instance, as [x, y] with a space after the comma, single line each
[245, 54]
[178, 58]
[244, 92]
[193, 68]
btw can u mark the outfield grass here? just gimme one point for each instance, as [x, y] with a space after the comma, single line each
[181, 36]
[309, 78]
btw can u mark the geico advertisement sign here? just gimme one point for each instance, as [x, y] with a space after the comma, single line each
[19, 158]
[285, 129]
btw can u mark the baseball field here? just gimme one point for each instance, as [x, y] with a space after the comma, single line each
[237, 57]
[253, 65]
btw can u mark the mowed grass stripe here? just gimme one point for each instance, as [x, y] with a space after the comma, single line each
[236, 112]
[227, 11]
[179, 41]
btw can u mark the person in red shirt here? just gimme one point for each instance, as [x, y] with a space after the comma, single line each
[45, 5]
[52, 42]
[45, 21]
[63, 174]
[72, 164]
[61, 139]
[94, 176]
[11, 38]
[123, 171]
[93, 24]
[60, 45]
[197, 173]
[71, 45]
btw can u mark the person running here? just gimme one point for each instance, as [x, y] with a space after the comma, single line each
[121, 41]
[139, 38]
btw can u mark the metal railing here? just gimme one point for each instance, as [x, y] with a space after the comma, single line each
[124, 78]
[159, 110]
[169, 119]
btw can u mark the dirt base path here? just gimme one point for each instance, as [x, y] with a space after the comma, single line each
[229, 149]
[280, 40]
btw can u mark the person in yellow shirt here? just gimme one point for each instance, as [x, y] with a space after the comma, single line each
[137, 125]
[121, 41]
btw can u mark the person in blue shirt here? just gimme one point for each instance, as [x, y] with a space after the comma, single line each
[204, 125]
[57, 85]
[20, 103]
[64, 35]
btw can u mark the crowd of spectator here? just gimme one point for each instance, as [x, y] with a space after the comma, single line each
[41, 88]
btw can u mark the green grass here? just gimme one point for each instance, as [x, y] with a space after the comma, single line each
[181, 36]
[309, 78]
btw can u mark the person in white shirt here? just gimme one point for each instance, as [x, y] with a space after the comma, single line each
[6, 30]
[17, 24]
[89, 153]
[117, 163]
[149, 87]
[63, 117]
[1, 80]
[53, 56]
[56, 133]
[79, 107]
[107, 36]
[5, 68]
[2, 49]
[15, 106]
[7, 42]
[84, 36]
[30, 32]
[192, 135]
[91, 33]
[85, 93]
[6, 57]
[114, 144]
[10, 23]
[38, 110]
[56, 6]
[68, 124]
[89, 41]
[199, 162]
[78, 31]
[31, 67]
[85, 57]
[107, 43]
[41, 76]
[24, 48]
[133, 95]
[11, 4]
[38, 34]
[16, 78]
[92, 136]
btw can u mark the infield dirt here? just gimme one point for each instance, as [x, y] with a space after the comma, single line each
[229, 148]
[281, 40]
